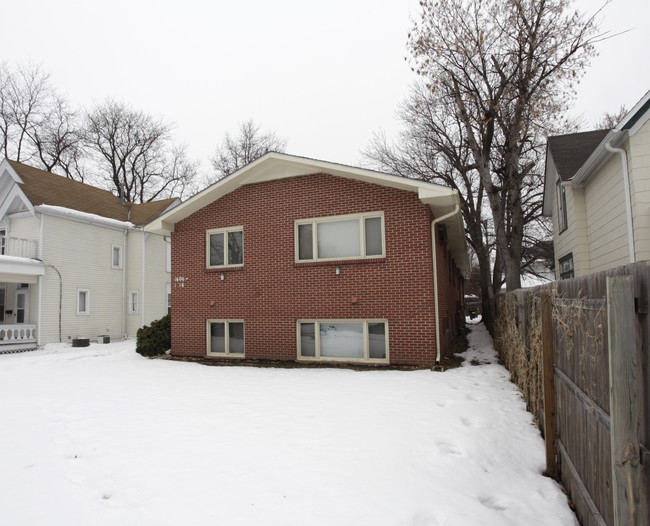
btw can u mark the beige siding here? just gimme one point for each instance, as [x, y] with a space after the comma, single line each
[638, 148]
[25, 228]
[152, 299]
[82, 254]
[604, 195]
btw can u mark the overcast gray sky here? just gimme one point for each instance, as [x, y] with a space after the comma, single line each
[325, 75]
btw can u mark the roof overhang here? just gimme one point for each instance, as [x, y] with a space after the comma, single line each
[20, 270]
[274, 166]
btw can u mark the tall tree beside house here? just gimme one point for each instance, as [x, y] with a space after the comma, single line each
[135, 155]
[249, 144]
[496, 74]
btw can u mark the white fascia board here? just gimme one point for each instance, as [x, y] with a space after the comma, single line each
[21, 266]
[5, 165]
[84, 217]
[598, 158]
[274, 166]
[630, 114]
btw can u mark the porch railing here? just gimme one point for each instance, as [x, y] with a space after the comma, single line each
[19, 337]
[16, 246]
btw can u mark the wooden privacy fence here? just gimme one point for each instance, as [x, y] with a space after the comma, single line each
[578, 350]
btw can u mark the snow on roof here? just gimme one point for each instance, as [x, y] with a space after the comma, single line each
[85, 217]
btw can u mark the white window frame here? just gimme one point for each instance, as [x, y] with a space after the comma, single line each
[225, 232]
[227, 336]
[3, 240]
[168, 298]
[366, 346]
[119, 248]
[314, 221]
[562, 217]
[85, 312]
[133, 309]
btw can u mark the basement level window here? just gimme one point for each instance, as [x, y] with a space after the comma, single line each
[225, 338]
[343, 340]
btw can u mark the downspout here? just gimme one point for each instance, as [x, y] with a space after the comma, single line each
[40, 282]
[144, 272]
[124, 260]
[434, 224]
[628, 199]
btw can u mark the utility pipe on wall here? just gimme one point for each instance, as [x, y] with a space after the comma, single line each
[434, 224]
[628, 199]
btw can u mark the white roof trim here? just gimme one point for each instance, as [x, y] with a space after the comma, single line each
[273, 166]
[84, 217]
[21, 266]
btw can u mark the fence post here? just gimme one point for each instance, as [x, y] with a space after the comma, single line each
[624, 401]
[550, 423]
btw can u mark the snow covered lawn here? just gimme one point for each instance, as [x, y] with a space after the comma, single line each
[102, 436]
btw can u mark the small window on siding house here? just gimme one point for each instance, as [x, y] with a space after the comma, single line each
[566, 266]
[561, 207]
[83, 302]
[133, 302]
[116, 255]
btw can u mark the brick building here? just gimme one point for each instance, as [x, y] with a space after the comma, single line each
[297, 259]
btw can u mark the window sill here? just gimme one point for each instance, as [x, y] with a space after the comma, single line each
[339, 262]
[219, 270]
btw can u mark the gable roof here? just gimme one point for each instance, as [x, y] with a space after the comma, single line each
[274, 166]
[45, 188]
[571, 151]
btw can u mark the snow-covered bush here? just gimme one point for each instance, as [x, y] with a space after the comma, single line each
[156, 338]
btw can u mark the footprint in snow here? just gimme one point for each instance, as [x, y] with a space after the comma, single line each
[450, 449]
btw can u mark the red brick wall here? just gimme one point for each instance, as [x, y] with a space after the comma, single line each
[271, 291]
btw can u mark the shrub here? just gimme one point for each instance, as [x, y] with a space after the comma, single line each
[156, 338]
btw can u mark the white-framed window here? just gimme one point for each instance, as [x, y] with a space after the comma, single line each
[561, 207]
[343, 340]
[116, 256]
[225, 338]
[355, 236]
[3, 241]
[225, 247]
[133, 302]
[2, 303]
[83, 302]
[168, 295]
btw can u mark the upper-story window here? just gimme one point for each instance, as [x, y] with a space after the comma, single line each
[340, 237]
[561, 207]
[3, 241]
[116, 257]
[225, 247]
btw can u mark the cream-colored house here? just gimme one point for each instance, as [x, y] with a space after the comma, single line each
[597, 191]
[75, 261]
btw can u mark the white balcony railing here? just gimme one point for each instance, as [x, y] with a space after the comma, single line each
[19, 337]
[15, 246]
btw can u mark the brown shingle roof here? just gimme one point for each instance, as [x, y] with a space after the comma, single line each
[571, 151]
[45, 188]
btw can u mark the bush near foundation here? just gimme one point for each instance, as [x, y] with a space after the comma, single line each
[156, 338]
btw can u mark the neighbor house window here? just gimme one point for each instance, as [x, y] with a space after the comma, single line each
[566, 266]
[116, 261]
[343, 340]
[225, 338]
[168, 290]
[561, 207]
[225, 247]
[83, 301]
[3, 241]
[340, 237]
[133, 302]
[2, 304]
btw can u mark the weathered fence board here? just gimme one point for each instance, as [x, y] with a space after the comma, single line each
[581, 385]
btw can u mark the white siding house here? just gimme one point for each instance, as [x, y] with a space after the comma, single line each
[75, 261]
[597, 192]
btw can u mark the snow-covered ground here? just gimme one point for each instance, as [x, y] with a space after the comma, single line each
[102, 436]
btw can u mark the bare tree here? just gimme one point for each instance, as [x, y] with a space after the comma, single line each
[250, 144]
[134, 153]
[505, 68]
[25, 95]
[610, 120]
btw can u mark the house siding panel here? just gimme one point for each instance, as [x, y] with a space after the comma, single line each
[271, 291]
